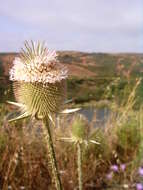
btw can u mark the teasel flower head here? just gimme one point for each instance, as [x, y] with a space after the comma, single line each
[38, 80]
[80, 129]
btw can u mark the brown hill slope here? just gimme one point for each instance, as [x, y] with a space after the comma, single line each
[74, 68]
[88, 64]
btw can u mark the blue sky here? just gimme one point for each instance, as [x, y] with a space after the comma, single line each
[82, 25]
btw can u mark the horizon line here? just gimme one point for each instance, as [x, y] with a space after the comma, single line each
[77, 51]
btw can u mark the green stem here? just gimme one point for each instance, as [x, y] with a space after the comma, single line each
[52, 157]
[79, 165]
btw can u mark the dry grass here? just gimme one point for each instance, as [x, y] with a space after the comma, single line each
[24, 161]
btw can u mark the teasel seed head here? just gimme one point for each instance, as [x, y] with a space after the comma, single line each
[80, 129]
[39, 80]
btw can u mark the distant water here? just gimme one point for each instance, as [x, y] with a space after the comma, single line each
[97, 116]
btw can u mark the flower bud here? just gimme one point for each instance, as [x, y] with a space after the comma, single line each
[80, 129]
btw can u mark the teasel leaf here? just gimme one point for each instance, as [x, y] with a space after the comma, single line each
[94, 142]
[68, 101]
[51, 119]
[16, 104]
[20, 117]
[66, 111]
[66, 139]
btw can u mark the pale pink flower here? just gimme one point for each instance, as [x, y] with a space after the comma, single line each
[40, 66]
[141, 171]
[109, 176]
[122, 167]
[139, 186]
[114, 168]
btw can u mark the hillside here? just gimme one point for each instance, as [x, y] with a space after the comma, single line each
[90, 73]
[87, 64]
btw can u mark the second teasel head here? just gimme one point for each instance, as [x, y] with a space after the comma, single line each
[39, 80]
[80, 129]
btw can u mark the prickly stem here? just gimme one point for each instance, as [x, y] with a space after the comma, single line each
[52, 157]
[79, 165]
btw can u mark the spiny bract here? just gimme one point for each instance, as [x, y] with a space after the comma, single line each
[39, 80]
